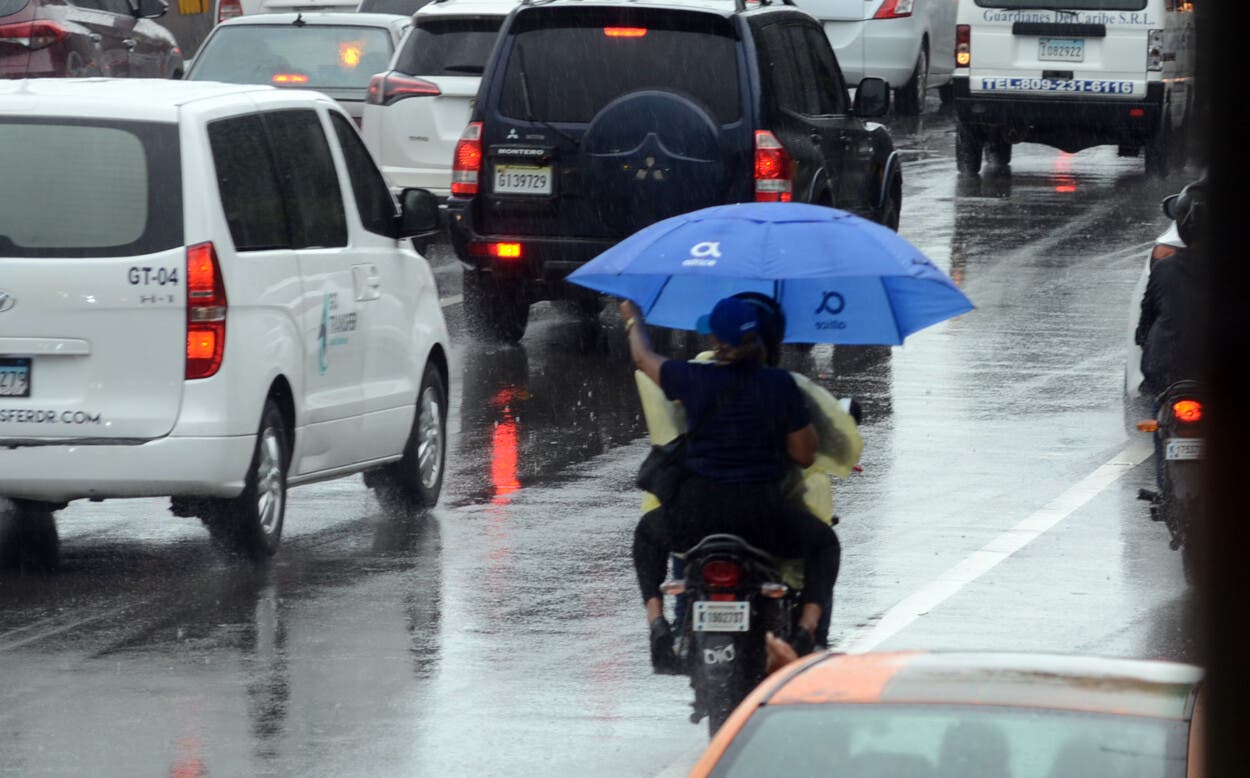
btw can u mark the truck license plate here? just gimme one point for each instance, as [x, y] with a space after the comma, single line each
[523, 179]
[1183, 448]
[14, 377]
[722, 616]
[1061, 49]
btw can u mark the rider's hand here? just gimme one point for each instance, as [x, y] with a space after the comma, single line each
[780, 653]
[629, 310]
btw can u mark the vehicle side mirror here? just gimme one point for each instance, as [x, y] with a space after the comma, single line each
[149, 9]
[1169, 206]
[418, 213]
[872, 98]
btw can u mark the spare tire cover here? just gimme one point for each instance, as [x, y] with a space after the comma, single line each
[649, 155]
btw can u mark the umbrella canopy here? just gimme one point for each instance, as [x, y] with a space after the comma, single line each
[839, 278]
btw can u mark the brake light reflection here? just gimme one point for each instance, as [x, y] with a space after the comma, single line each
[349, 54]
[1065, 182]
[504, 447]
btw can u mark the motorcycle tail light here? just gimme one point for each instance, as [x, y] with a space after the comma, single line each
[1160, 251]
[720, 574]
[1187, 411]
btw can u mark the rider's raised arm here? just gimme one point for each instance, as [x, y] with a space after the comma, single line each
[640, 350]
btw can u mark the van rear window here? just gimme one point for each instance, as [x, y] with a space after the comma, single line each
[90, 188]
[614, 54]
[1065, 5]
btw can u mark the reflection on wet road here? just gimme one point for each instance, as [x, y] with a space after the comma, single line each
[501, 634]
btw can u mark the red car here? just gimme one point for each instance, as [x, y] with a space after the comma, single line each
[956, 715]
[42, 38]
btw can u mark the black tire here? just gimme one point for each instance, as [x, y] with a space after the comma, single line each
[1159, 152]
[891, 206]
[28, 540]
[998, 153]
[909, 98]
[416, 480]
[968, 146]
[251, 524]
[946, 92]
[494, 310]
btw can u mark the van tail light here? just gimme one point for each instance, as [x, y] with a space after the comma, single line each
[206, 312]
[466, 165]
[774, 169]
[390, 88]
[1187, 411]
[229, 9]
[1154, 50]
[33, 35]
[963, 45]
[894, 9]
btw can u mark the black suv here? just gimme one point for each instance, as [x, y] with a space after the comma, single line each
[594, 120]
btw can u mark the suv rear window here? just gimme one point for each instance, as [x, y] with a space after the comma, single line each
[614, 54]
[448, 47]
[312, 57]
[1066, 5]
[96, 188]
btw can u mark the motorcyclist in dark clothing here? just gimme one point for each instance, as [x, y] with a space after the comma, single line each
[1176, 300]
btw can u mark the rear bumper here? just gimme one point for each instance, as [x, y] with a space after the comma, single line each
[190, 467]
[544, 261]
[1070, 123]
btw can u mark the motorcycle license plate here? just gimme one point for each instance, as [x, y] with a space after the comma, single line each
[1183, 448]
[722, 616]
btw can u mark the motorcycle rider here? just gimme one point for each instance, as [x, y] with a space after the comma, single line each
[1175, 303]
[1174, 308]
[735, 466]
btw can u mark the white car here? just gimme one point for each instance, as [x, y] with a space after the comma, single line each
[909, 43]
[210, 296]
[417, 110]
[333, 53]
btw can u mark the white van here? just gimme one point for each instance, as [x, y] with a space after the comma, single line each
[1074, 74]
[209, 295]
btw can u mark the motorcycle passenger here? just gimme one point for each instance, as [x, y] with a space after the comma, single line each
[736, 464]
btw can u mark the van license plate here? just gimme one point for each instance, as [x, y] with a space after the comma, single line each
[1061, 49]
[1183, 448]
[523, 179]
[14, 377]
[722, 616]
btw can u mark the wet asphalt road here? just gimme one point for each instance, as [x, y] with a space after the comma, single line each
[501, 633]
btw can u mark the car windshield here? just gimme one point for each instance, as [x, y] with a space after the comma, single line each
[119, 180]
[448, 47]
[311, 56]
[1066, 5]
[694, 55]
[977, 742]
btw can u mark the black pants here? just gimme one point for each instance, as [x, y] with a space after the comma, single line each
[754, 512]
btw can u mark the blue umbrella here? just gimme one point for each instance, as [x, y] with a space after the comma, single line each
[838, 277]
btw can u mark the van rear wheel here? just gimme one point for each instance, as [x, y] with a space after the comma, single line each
[968, 146]
[251, 524]
[1159, 153]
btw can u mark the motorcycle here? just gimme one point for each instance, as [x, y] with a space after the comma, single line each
[1178, 429]
[735, 594]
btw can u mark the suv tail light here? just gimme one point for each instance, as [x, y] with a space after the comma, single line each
[963, 45]
[389, 88]
[773, 169]
[894, 9]
[33, 35]
[229, 9]
[1187, 411]
[467, 162]
[206, 312]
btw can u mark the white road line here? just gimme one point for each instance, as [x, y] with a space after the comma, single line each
[981, 561]
[454, 299]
